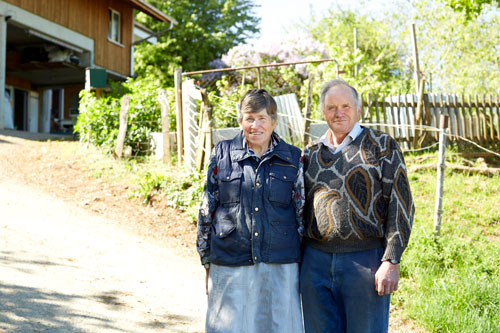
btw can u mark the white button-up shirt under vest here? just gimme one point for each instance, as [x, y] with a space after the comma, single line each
[327, 139]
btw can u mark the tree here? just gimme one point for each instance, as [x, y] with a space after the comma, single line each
[462, 58]
[379, 59]
[471, 8]
[205, 31]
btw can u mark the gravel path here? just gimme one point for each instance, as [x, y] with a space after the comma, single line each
[65, 269]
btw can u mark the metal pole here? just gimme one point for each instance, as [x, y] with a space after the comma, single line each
[230, 69]
[440, 175]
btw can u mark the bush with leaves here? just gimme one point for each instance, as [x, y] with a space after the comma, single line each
[99, 118]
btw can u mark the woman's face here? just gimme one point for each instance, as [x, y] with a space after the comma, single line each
[257, 127]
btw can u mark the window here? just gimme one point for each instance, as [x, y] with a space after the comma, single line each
[114, 28]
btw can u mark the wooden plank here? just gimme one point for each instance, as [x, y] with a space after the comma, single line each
[411, 115]
[497, 108]
[477, 122]
[434, 114]
[179, 118]
[307, 122]
[491, 122]
[467, 122]
[394, 118]
[387, 129]
[400, 118]
[365, 114]
[452, 115]
[442, 110]
[377, 113]
[483, 113]
[406, 115]
[459, 116]
[122, 130]
[165, 124]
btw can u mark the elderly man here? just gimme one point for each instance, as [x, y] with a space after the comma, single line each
[359, 213]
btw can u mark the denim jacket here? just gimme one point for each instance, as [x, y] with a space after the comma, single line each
[255, 219]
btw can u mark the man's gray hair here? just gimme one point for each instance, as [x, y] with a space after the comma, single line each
[334, 83]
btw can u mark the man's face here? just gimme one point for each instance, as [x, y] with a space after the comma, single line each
[339, 110]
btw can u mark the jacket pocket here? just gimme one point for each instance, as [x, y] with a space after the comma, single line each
[229, 186]
[285, 241]
[223, 228]
[281, 182]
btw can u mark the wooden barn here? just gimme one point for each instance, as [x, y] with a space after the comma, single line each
[52, 49]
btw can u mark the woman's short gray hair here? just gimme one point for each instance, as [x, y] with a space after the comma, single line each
[334, 83]
[255, 100]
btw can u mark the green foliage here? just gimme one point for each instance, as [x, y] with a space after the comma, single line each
[205, 30]
[181, 191]
[185, 193]
[457, 56]
[452, 283]
[379, 58]
[98, 121]
[149, 184]
[471, 8]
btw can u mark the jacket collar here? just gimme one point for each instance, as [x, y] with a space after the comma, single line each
[239, 151]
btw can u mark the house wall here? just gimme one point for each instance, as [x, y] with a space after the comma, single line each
[90, 18]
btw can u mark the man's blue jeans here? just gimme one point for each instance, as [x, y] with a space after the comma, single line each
[338, 292]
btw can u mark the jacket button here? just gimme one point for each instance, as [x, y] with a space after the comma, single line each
[258, 184]
[256, 209]
[227, 177]
[256, 234]
[255, 258]
[220, 234]
[284, 177]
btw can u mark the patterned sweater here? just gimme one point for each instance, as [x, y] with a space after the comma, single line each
[358, 199]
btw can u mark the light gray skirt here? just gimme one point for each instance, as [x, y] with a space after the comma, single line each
[258, 298]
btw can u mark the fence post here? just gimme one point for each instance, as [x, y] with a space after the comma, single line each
[307, 122]
[415, 56]
[205, 133]
[419, 136]
[440, 174]
[178, 104]
[122, 131]
[165, 124]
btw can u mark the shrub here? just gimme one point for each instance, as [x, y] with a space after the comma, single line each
[99, 118]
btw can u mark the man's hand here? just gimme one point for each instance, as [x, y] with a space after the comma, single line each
[386, 278]
[206, 280]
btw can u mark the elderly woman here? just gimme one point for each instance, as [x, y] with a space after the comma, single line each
[250, 226]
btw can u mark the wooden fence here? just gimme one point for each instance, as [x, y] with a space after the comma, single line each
[476, 118]
[412, 123]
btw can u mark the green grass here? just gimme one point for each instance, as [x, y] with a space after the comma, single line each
[451, 283]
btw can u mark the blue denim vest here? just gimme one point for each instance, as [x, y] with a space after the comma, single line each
[255, 219]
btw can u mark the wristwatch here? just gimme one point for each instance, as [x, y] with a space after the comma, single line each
[393, 261]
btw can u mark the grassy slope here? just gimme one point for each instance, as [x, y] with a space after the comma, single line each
[452, 283]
